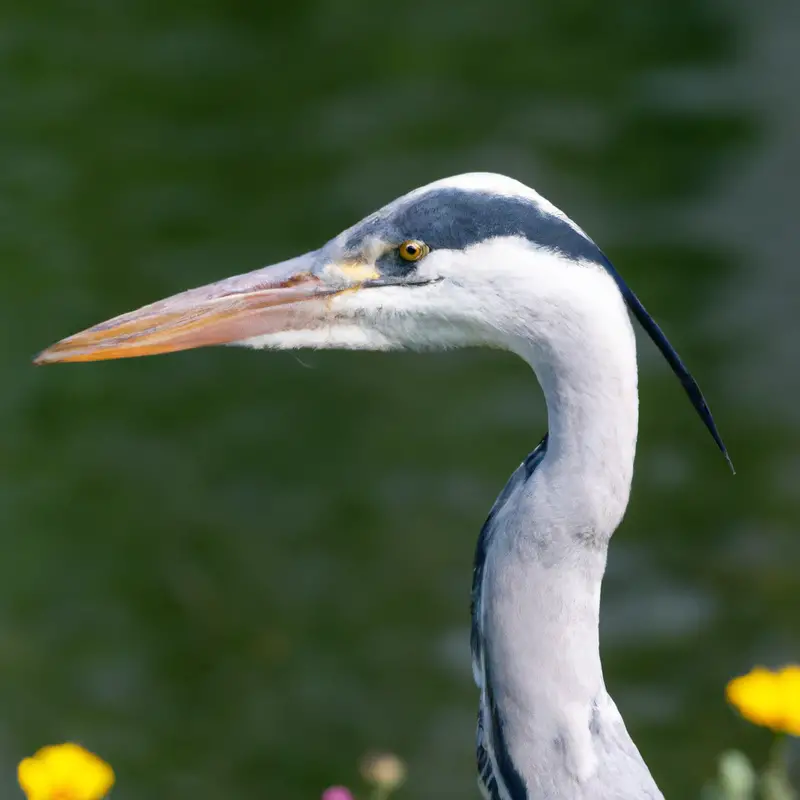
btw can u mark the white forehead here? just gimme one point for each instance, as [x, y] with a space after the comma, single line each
[493, 183]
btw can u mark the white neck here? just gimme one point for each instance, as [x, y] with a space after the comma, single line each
[541, 591]
[583, 351]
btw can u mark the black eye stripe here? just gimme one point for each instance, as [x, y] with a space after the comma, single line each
[453, 219]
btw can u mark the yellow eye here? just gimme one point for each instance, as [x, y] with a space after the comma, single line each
[413, 250]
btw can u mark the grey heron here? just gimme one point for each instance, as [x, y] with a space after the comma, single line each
[482, 260]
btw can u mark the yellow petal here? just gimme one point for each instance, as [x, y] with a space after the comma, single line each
[757, 696]
[790, 691]
[33, 779]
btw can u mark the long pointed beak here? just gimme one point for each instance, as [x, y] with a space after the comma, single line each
[268, 300]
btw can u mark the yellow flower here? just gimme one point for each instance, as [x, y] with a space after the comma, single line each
[65, 772]
[768, 698]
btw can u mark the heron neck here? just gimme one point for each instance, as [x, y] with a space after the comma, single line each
[548, 557]
[593, 416]
[587, 369]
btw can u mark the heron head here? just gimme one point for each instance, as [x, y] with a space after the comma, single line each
[420, 272]
[478, 259]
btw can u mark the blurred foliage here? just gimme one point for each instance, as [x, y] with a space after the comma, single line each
[738, 779]
[231, 572]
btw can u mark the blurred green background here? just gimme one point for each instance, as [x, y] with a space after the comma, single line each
[231, 573]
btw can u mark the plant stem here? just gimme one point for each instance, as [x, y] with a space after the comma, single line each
[777, 759]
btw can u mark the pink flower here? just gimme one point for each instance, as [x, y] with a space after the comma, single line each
[337, 793]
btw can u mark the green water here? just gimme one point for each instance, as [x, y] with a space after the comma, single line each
[231, 573]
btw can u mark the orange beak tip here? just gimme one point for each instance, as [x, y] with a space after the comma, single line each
[44, 357]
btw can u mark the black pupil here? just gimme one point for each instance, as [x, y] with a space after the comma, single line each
[411, 249]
